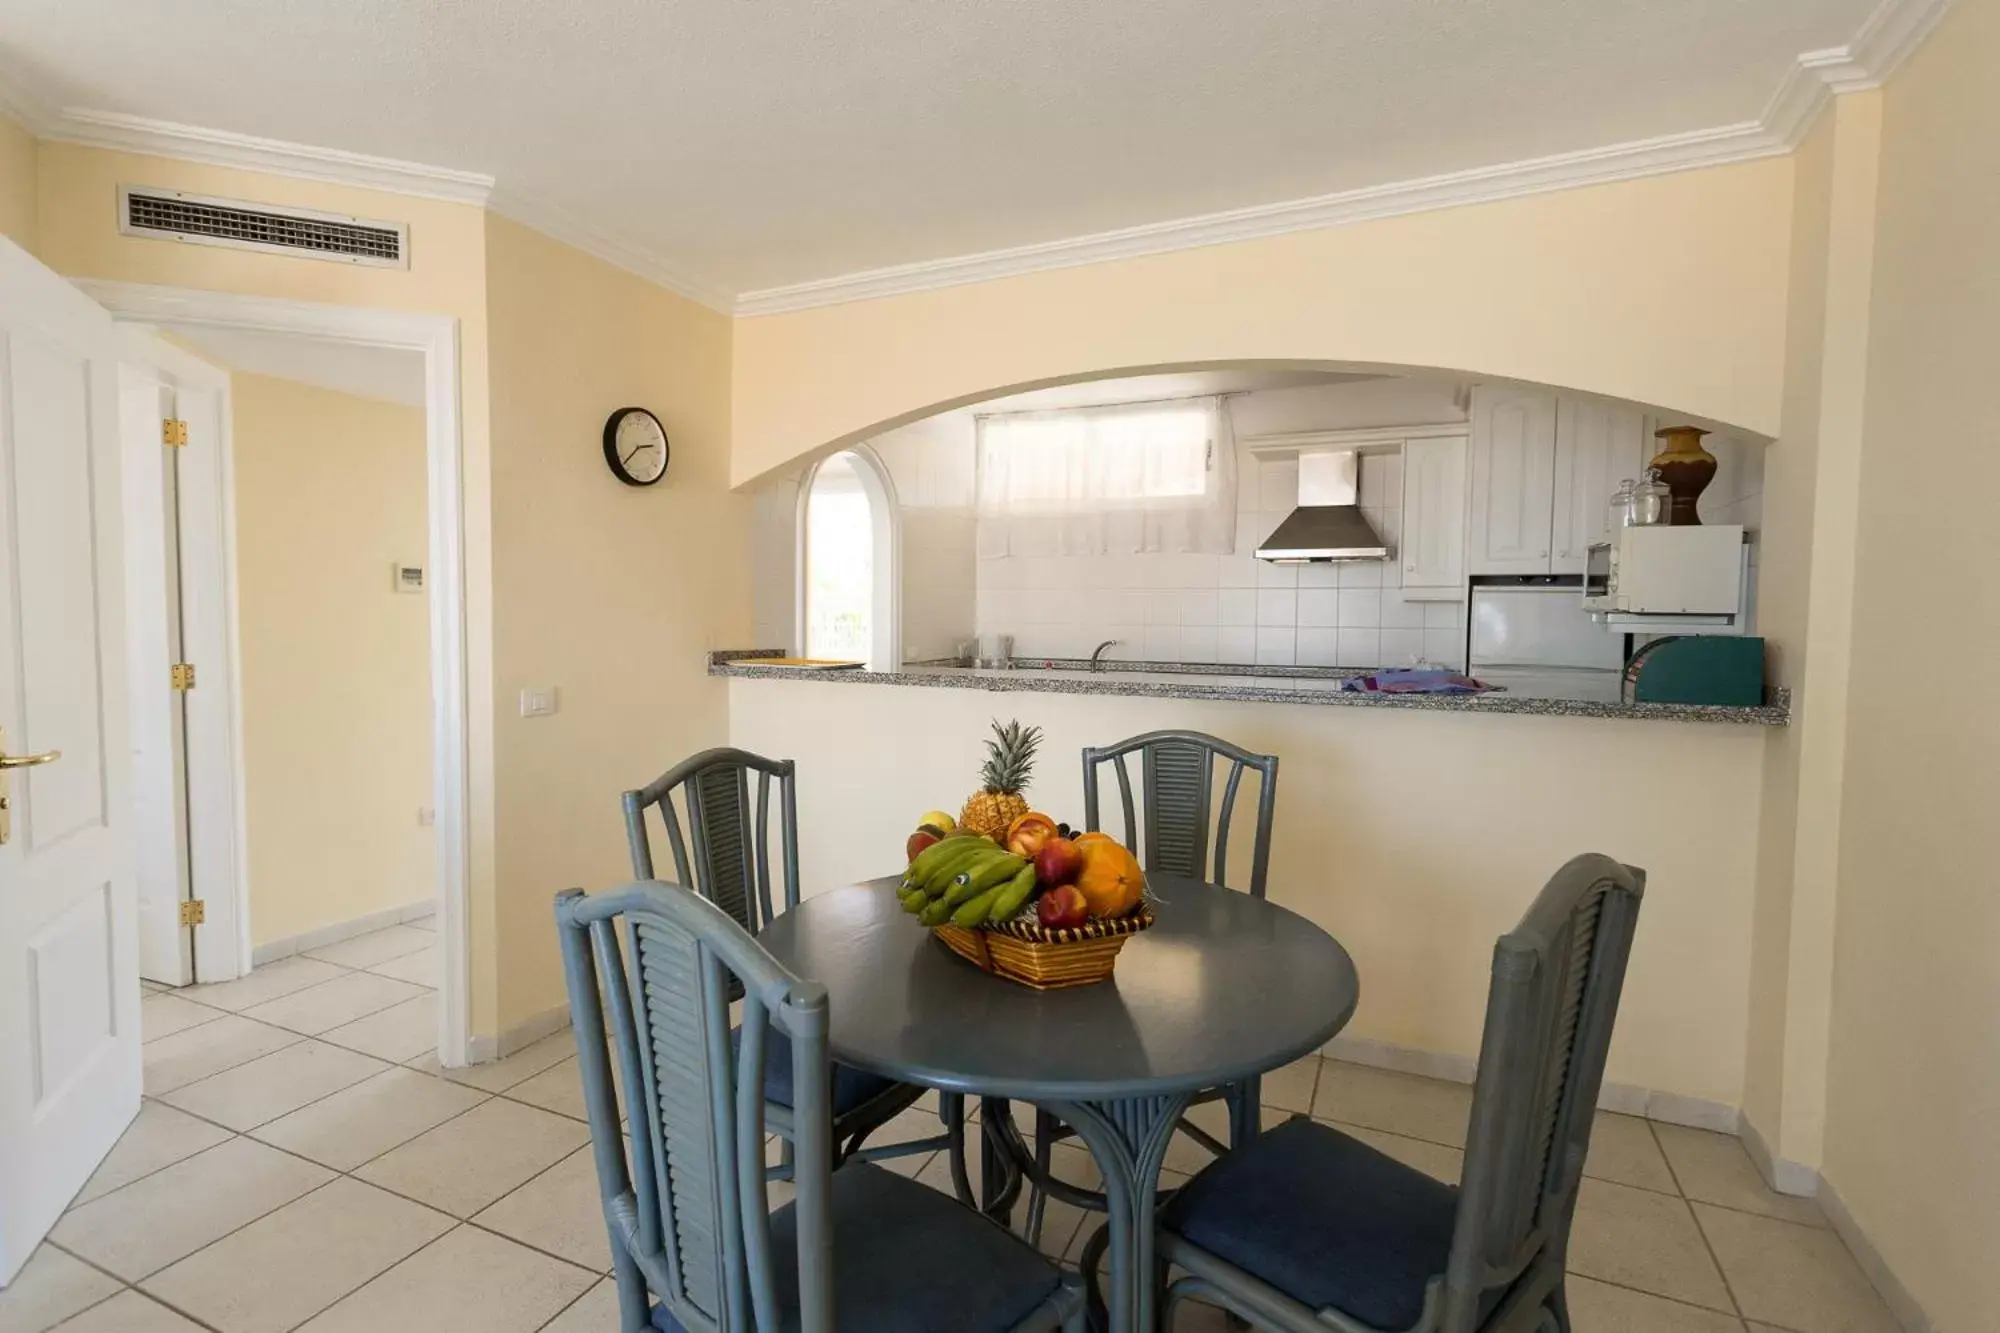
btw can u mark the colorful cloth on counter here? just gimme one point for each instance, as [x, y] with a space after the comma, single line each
[1416, 681]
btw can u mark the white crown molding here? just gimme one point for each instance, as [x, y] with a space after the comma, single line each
[222, 148]
[1889, 34]
[562, 225]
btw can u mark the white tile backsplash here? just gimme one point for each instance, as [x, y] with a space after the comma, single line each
[1178, 607]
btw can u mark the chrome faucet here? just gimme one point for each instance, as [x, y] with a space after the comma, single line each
[1097, 653]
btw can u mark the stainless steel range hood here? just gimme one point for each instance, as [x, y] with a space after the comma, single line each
[1328, 524]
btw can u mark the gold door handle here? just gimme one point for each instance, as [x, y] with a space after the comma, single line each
[29, 760]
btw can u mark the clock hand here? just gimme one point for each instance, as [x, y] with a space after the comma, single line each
[636, 452]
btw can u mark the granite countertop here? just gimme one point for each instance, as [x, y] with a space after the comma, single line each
[1552, 692]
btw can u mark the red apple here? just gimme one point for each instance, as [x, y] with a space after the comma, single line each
[1062, 908]
[919, 840]
[1059, 861]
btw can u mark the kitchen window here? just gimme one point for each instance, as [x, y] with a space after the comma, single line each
[1131, 477]
[848, 562]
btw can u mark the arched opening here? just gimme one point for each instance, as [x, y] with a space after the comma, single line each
[848, 562]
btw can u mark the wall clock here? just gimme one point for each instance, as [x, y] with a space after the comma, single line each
[635, 446]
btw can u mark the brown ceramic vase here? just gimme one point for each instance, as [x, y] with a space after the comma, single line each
[1687, 468]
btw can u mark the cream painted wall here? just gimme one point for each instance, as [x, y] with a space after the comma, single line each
[1668, 291]
[18, 186]
[78, 190]
[613, 595]
[1415, 838]
[1913, 1107]
[330, 491]
[1806, 593]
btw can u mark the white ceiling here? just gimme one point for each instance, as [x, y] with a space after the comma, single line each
[742, 147]
[367, 372]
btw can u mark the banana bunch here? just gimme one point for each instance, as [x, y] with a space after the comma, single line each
[968, 881]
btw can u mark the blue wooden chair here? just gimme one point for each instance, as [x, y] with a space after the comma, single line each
[1306, 1230]
[695, 1247]
[1186, 833]
[725, 856]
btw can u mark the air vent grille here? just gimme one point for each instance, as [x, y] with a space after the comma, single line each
[235, 223]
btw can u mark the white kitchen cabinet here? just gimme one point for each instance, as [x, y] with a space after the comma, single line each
[1433, 532]
[1598, 445]
[1513, 480]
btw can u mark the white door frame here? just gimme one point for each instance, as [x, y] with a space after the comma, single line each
[436, 338]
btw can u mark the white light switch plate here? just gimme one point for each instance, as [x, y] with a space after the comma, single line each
[538, 701]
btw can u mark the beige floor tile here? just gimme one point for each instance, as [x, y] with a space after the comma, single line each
[1292, 1088]
[911, 1166]
[1214, 1117]
[152, 987]
[500, 1075]
[560, 1211]
[401, 1032]
[377, 946]
[1060, 1222]
[1716, 1168]
[164, 1015]
[265, 983]
[159, 1136]
[176, 1061]
[471, 1279]
[419, 969]
[1596, 1307]
[1197, 1317]
[49, 1289]
[1636, 1238]
[1794, 1276]
[138, 1230]
[273, 1085]
[467, 1163]
[289, 1265]
[1418, 1108]
[557, 1088]
[364, 1121]
[1622, 1150]
[1433, 1159]
[596, 1311]
[130, 1312]
[331, 1004]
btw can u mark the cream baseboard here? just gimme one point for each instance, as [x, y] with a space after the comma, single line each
[272, 950]
[1626, 1099]
[1902, 1304]
[486, 1049]
[1780, 1173]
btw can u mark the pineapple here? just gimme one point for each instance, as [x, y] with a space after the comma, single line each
[1010, 757]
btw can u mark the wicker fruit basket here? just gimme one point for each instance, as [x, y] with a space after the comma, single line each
[1031, 955]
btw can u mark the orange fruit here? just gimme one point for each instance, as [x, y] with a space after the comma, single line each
[1111, 882]
[1092, 836]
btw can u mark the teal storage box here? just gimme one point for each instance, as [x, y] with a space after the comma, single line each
[1714, 669]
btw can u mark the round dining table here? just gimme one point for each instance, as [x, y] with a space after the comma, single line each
[1223, 988]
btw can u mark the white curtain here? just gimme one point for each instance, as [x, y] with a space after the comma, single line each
[1134, 477]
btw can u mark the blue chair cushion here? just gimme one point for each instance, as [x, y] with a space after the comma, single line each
[1325, 1219]
[909, 1259]
[851, 1087]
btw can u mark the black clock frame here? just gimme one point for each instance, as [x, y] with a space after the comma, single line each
[617, 464]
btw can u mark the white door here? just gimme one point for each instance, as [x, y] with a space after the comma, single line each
[1513, 480]
[176, 553]
[1433, 536]
[1598, 445]
[69, 979]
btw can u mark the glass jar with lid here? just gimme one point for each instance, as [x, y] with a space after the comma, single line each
[1650, 500]
[1620, 513]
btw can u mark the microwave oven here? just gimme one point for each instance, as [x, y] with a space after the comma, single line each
[1668, 577]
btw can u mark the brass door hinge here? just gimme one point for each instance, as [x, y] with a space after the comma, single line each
[181, 674]
[173, 434]
[194, 912]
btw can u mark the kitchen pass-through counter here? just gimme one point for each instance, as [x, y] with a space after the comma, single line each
[1546, 691]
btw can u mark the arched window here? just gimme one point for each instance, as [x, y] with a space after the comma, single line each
[848, 562]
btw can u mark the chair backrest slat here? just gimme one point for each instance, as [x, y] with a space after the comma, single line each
[730, 863]
[1550, 1007]
[700, 1229]
[1183, 833]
